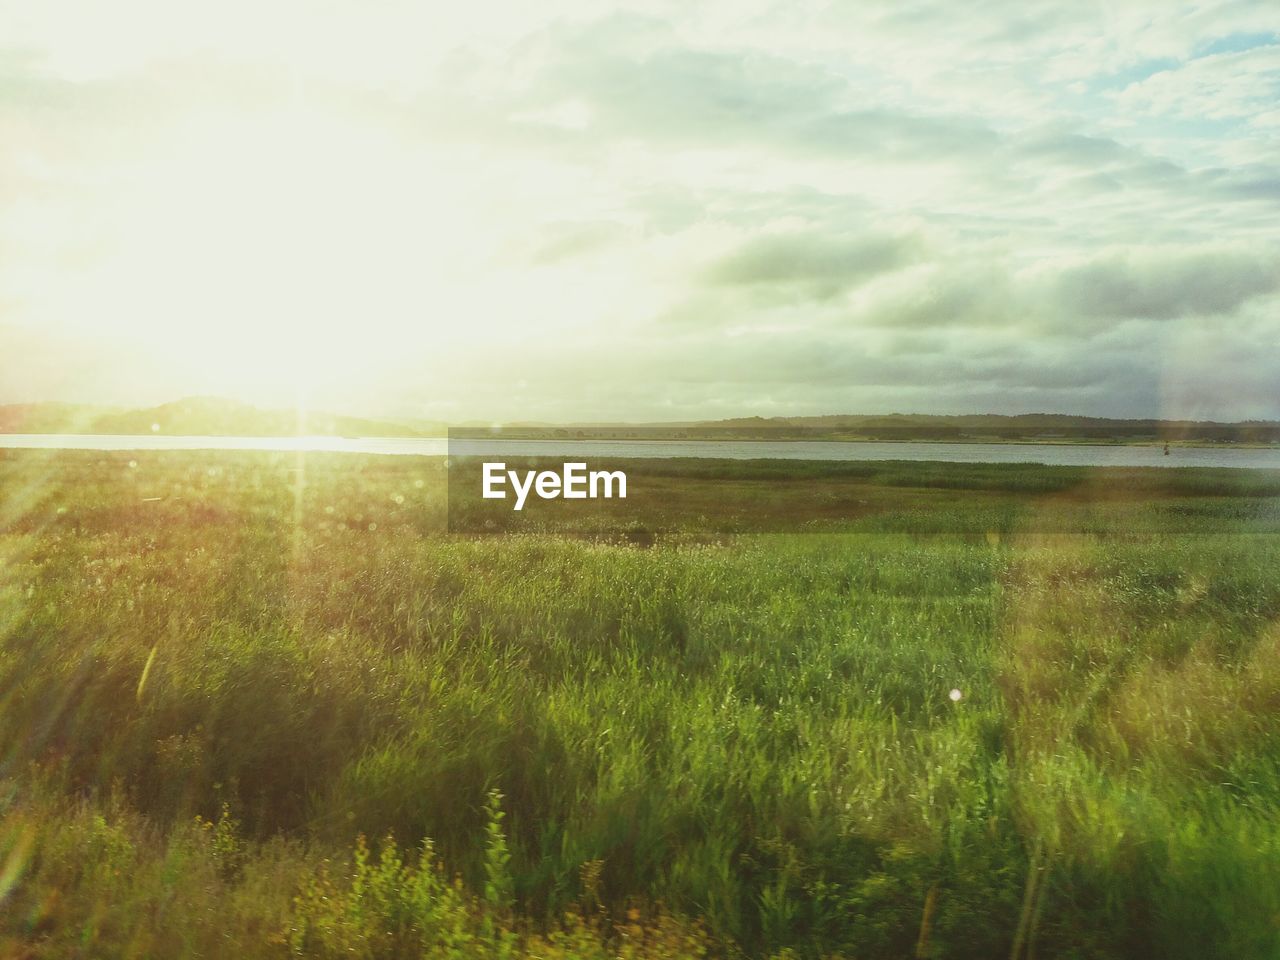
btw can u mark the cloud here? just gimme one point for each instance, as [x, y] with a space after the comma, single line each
[669, 92]
[971, 295]
[1161, 285]
[1076, 297]
[819, 264]
[656, 210]
[1221, 86]
[561, 241]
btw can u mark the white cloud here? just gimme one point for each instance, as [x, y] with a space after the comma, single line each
[676, 209]
[1224, 86]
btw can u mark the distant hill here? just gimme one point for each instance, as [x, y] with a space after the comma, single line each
[48, 417]
[1031, 427]
[1042, 426]
[214, 416]
[197, 416]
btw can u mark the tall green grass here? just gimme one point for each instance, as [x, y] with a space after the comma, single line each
[753, 731]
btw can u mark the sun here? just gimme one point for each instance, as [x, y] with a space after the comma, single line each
[272, 251]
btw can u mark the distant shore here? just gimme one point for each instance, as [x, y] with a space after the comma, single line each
[571, 435]
[801, 438]
[566, 437]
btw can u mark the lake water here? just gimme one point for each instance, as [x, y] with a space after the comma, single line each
[1084, 455]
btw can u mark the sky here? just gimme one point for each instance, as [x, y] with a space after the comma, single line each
[588, 211]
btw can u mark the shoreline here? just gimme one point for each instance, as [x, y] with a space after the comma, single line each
[611, 438]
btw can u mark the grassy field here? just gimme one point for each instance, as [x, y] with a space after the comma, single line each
[239, 691]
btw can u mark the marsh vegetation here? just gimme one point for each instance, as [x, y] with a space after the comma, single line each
[263, 705]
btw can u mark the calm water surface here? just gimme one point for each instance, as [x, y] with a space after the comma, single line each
[1081, 455]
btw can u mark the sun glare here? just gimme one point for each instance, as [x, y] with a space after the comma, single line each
[271, 250]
